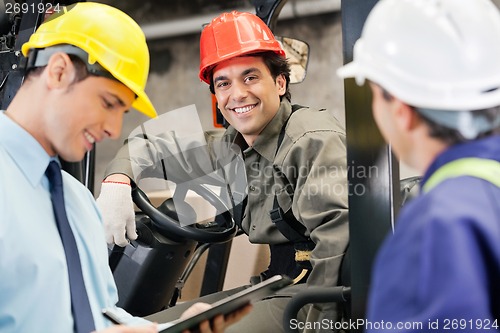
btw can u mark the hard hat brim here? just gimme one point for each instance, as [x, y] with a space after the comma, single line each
[352, 70]
[348, 70]
[143, 104]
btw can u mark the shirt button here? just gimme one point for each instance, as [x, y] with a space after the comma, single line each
[251, 188]
[254, 227]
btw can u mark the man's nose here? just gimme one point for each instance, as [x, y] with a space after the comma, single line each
[113, 125]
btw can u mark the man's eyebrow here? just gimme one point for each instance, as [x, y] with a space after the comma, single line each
[250, 70]
[245, 72]
[116, 99]
[220, 78]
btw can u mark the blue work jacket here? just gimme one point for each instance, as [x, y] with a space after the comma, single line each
[440, 270]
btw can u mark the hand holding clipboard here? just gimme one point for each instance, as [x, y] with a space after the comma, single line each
[233, 308]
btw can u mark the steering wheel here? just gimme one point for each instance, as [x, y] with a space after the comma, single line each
[166, 218]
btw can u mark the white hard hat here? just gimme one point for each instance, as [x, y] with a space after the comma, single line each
[433, 54]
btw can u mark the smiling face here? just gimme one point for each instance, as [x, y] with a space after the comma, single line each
[247, 94]
[86, 112]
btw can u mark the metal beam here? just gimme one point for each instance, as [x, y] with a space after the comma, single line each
[193, 24]
[373, 171]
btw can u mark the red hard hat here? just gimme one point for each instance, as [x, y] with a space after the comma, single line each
[231, 35]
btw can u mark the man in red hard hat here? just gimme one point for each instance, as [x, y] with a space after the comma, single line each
[295, 162]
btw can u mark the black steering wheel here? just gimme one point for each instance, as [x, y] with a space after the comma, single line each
[166, 218]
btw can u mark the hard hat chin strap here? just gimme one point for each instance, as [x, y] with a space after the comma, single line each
[468, 123]
[40, 58]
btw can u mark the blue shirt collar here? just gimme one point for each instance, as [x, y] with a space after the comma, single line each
[24, 149]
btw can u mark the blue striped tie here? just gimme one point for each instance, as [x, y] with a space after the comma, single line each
[80, 307]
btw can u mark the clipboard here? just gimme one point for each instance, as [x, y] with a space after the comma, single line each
[232, 303]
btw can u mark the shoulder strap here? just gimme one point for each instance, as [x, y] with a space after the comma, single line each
[482, 168]
[286, 222]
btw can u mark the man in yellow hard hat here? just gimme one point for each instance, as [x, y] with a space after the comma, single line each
[295, 163]
[86, 66]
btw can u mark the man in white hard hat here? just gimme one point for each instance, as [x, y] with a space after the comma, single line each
[434, 70]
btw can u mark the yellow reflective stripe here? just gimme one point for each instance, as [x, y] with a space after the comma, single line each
[302, 255]
[300, 277]
[486, 169]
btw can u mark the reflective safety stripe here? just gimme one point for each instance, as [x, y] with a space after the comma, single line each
[482, 168]
[302, 255]
[301, 276]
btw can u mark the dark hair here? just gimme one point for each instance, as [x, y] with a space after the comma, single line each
[276, 64]
[452, 136]
[80, 68]
[446, 134]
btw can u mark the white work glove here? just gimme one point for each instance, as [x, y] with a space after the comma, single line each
[117, 209]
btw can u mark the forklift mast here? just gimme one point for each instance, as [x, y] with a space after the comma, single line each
[268, 11]
[16, 29]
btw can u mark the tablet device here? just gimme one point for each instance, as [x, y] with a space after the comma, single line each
[232, 303]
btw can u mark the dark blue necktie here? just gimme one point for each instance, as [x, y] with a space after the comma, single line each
[80, 307]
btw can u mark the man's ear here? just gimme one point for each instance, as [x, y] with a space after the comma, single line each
[60, 72]
[407, 116]
[281, 83]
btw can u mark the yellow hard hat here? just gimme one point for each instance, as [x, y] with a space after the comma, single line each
[109, 36]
